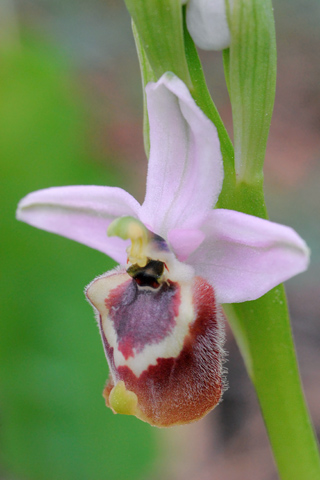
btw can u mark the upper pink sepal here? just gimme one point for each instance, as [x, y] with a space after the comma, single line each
[185, 171]
[245, 256]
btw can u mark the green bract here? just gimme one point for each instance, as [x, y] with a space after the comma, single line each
[250, 67]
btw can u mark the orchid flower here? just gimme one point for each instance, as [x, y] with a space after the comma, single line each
[159, 311]
[207, 23]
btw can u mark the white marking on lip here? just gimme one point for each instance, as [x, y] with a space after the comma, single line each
[170, 346]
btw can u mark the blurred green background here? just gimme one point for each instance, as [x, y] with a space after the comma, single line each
[53, 420]
[71, 113]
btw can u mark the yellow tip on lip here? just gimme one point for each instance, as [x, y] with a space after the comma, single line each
[122, 400]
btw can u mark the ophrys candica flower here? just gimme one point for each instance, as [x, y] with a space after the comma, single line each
[159, 313]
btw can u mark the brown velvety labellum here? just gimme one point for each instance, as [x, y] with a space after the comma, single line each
[183, 388]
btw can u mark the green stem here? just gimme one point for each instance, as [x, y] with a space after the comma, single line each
[147, 75]
[263, 333]
[159, 23]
